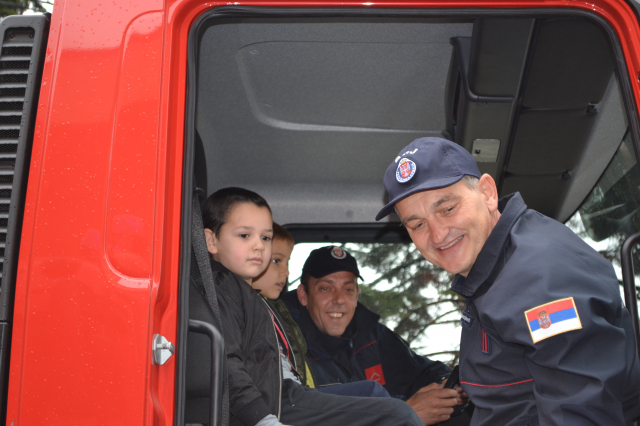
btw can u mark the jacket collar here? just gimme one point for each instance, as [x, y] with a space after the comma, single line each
[216, 266]
[219, 267]
[511, 208]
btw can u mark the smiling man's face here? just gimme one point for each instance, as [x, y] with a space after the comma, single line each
[450, 225]
[331, 301]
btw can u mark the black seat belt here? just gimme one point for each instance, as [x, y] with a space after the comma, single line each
[199, 246]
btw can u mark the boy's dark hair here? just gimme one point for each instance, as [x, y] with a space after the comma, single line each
[219, 204]
[280, 233]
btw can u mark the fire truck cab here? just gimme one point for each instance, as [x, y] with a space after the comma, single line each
[113, 114]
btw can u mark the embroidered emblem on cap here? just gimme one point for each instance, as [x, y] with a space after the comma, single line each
[338, 253]
[405, 171]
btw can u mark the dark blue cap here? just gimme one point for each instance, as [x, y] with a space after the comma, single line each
[424, 164]
[327, 260]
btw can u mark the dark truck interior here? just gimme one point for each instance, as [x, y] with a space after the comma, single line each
[309, 107]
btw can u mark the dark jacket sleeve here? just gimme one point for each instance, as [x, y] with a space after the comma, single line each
[245, 400]
[579, 375]
[406, 371]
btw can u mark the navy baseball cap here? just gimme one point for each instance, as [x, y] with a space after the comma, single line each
[426, 163]
[327, 260]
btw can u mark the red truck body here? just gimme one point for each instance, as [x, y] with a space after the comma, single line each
[100, 249]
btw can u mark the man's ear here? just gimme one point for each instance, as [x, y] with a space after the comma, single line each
[210, 236]
[488, 189]
[302, 295]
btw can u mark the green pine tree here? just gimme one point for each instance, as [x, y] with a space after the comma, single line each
[409, 293]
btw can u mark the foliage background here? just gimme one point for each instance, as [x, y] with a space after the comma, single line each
[409, 294]
[18, 7]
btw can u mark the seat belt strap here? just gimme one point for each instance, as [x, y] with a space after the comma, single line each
[199, 245]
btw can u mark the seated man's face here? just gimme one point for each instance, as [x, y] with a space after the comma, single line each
[331, 301]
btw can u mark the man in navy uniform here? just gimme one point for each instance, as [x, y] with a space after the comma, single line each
[545, 337]
[347, 343]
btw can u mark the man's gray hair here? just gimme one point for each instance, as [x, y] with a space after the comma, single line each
[470, 181]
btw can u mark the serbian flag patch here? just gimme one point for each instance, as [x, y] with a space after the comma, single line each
[553, 318]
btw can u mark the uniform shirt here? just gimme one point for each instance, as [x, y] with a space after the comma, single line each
[545, 338]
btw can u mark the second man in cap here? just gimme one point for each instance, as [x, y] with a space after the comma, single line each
[347, 343]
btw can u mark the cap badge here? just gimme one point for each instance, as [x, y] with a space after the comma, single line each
[405, 171]
[338, 253]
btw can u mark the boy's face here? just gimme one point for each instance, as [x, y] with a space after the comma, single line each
[273, 280]
[244, 243]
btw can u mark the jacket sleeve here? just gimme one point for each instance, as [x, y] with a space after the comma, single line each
[405, 371]
[578, 365]
[246, 402]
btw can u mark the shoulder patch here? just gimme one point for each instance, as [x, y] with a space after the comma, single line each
[552, 318]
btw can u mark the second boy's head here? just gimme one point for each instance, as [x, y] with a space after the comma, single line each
[273, 280]
[238, 230]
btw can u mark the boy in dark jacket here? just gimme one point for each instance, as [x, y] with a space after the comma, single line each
[270, 284]
[264, 388]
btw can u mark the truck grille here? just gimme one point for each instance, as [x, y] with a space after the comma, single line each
[24, 43]
[15, 59]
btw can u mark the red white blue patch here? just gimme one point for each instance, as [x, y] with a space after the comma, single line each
[405, 171]
[552, 318]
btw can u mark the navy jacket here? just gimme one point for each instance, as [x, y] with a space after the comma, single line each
[545, 338]
[367, 351]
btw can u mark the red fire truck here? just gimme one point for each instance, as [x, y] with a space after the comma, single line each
[114, 113]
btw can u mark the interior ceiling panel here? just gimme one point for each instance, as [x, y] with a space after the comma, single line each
[346, 86]
[310, 116]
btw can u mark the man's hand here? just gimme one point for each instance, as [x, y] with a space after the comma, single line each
[434, 404]
[462, 396]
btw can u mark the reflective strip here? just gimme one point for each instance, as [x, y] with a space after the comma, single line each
[368, 344]
[496, 386]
